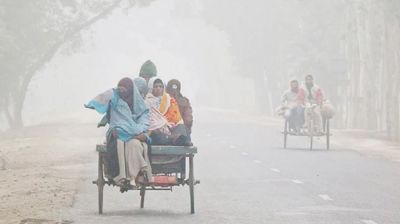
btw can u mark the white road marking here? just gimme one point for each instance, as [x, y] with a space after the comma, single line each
[232, 147]
[368, 221]
[297, 181]
[325, 197]
[275, 170]
[257, 161]
[245, 154]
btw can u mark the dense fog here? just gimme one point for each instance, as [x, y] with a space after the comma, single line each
[56, 55]
[288, 111]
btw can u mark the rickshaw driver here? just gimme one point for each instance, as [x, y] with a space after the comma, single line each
[312, 96]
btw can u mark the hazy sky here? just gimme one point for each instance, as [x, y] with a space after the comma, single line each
[180, 43]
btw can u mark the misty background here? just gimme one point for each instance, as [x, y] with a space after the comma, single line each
[55, 55]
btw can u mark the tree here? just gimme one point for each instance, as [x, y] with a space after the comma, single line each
[32, 34]
[351, 46]
[273, 41]
[372, 53]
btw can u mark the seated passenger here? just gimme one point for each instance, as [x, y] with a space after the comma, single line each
[128, 119]
[166, 123]
[294, 111]
[142, 86]
[312, 96]
[174, 90]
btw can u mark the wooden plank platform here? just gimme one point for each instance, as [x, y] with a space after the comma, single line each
[161, 149]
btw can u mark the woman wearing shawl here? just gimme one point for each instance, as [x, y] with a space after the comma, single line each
[166, 123]
[128, 119]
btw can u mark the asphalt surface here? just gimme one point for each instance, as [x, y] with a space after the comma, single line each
[247, 177]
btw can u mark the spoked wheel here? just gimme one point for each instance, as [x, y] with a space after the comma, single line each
[328, 134]
[311, 133]
[191, 183]
[100, 184]
[142, 194]
[285, 133]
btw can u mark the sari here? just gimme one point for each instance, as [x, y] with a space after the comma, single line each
[164, 110]
[127, 117]
[166, 122]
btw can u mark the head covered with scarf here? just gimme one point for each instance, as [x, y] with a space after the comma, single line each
[141, 84]
[163, 102]
[174, 88]
[128, 113]
[156, 87]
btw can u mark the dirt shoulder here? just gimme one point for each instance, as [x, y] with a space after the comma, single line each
[368, 143]
[40, 170]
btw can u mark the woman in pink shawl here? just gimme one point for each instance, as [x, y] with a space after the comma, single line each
[166, 123]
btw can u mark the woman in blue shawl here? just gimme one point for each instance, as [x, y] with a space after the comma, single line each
[128, 119]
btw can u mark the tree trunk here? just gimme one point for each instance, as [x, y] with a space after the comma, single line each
[19, 96]
[8, 115]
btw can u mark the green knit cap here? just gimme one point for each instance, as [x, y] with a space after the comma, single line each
[148, 69]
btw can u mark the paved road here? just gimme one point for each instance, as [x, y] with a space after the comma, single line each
[246, 177]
